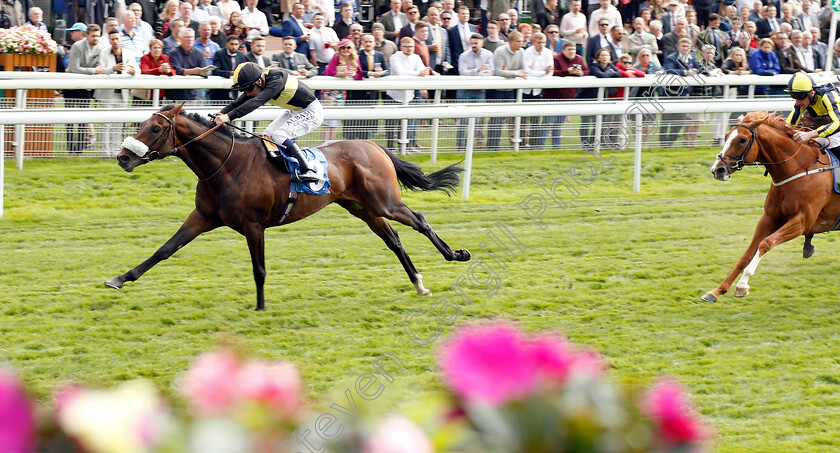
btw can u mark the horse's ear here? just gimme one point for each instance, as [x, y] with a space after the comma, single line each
[740, 118]
[175, 111]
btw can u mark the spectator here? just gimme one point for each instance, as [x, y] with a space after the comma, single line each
[647, 15]
[344, 64]
[713, 36]
[308, 11]
[508, 63]
[294, 26]
[74, 34]
[421, 35]
[504, 26]
[155, 63]
[527, 32]
[704, 10]
[323, 42]
[112, 62]
[538, 61]
[807, 19]
[438, 42]
[768, 23]
[448, 6]
[226, 60]
[598, 40]
[603, 67]
[342, 25]
[495, 9]
[693, 29]
[646, 62]
[625, 67]
[186, 60]
[669, 19]
[820, 47]
[671, 40]
[388, 48]
[36, 19]
[640, 39]
[255, 20]
[293, 61]
[750, 28]
[405, 63]
[656, 30]
[148, 12]
[788, 60]
[573, 26]
[514, 18]
[236, 27]
[257, 53]
[216, 34]
[374, 65]
[567, 63]
[545, 16]
[209, 8]
[836, 64]
[172, 41]
[227, 7]
[142, 27]
[493, 41]
[810, 59]
[474, 62]
[84, 59]
[789, 18]
[16, 10]
[681, 62]
[459, 34]
[736, 63]
[617, 46]
[206, 45]
[111, 23]
[608, 12]
[132, 40]
[165, 18]
[413, 15]
[186, 10]
[393, 20]
[553, 41]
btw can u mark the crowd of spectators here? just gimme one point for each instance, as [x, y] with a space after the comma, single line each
[355, 39]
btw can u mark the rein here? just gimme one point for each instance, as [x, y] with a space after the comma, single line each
[740, 161]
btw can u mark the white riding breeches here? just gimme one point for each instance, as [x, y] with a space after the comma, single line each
[830, 142]
[296, 123]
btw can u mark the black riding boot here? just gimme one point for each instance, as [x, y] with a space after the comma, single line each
[305, 173]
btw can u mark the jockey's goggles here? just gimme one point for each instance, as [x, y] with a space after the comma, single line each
[799, 95]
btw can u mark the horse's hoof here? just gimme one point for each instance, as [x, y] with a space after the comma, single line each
[464, 255]
[425, 292]
[741, 292]
[709, 297]
[115, 283]
[808, 251]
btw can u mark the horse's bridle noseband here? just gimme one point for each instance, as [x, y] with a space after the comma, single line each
[740, 161]
[148, 156]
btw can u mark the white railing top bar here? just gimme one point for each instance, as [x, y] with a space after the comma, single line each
[512, 109]
[11, 80]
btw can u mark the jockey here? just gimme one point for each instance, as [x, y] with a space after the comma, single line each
[821, 102]
[277, 87]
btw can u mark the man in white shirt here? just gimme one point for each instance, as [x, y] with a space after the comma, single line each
[477, 61]
[573, 26]
[254, 19]
[606, 11]
[142, 27]
[539, 62]
[405, 63]
[322, 42]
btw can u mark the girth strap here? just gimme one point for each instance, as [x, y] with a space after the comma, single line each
[287, 208]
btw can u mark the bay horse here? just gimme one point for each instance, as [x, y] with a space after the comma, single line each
[239, 188]
[801, 199]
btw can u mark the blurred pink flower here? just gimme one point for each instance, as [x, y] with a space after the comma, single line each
[497, 362]
[17, 419]
[676, 421]
[489, 363]
[398, 434]
[276, 384]
[210, 383]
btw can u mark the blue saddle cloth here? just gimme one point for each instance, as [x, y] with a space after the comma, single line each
[318, 162]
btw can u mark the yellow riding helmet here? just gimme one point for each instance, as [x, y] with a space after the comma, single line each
[245, 76]
[800, 83]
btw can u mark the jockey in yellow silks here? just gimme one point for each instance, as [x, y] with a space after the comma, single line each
[821, 102]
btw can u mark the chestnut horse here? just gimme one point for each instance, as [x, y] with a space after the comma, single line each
[801, 199]
[239, 188]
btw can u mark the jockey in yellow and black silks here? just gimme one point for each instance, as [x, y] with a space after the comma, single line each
[820, 102]
[277, 87]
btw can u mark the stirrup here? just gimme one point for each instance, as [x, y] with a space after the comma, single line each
[309, 176]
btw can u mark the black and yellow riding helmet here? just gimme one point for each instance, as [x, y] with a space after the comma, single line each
[801, 83]
[245, 76]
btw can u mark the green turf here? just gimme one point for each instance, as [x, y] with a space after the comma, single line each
[619, 271]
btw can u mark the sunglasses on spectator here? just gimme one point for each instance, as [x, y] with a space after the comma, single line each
[603, 25]
[445, 18]
[414, 12]
[553, 32]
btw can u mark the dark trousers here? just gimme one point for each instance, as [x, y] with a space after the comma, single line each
[75, 135]
[669, 128]
[494, 130]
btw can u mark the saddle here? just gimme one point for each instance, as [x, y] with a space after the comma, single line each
[314, 157]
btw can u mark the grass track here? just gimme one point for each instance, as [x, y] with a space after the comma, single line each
[619, 271]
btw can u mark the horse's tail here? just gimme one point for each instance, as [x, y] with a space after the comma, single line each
[412, 177]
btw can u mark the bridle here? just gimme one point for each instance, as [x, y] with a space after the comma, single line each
[154, 154]
[740, 161]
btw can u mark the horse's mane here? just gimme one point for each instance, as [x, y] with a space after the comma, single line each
[206, 122]
[771, 119]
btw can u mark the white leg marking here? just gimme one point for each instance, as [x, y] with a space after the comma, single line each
[421, 291]
[749, 271]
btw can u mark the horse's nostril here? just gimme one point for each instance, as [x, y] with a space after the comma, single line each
[123, 158]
